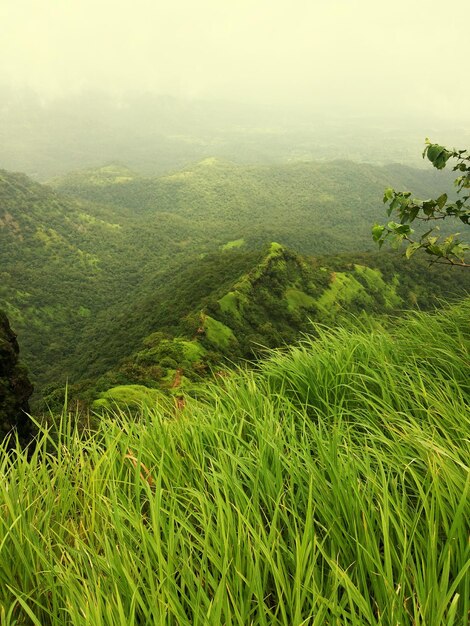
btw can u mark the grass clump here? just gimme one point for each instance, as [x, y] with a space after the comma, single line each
[236, 243]
[328, 488]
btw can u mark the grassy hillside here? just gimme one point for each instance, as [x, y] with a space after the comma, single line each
[54, 254]
[329, 487]
[63, 261]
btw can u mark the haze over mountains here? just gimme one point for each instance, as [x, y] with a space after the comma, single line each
[155, 134]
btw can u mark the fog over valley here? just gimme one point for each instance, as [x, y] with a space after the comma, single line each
[158, 85]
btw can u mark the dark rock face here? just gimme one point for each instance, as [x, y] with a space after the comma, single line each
[15, 388]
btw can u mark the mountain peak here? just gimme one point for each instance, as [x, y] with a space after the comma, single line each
[109, 174]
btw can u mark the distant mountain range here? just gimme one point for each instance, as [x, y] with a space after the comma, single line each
[157, 134]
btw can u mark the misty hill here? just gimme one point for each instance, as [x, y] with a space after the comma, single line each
[156, 134]
[53, 254]
[78, 181]
[313, 207]
[63, 260]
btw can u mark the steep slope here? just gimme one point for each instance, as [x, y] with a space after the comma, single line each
[63, 261]
[330, 487]
[171, 307]
[15, 388]
[268, 305]
[56, 257]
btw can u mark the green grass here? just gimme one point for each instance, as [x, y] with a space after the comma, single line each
[128, 396]
[343, 289]
[217, 333]
[236, 243]
[298, 299]
[376, 284]
[192, 350]
[329, 487]
[230, 303]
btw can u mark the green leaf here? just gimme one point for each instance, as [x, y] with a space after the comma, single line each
[396, 202]
[403, 229]
[377, 232]
[412, 249]
[433, 152]
[429, 206]
[442, 200]
[427, 233]
[413, 213]
[436, 250]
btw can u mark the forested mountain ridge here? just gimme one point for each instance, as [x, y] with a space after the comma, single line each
[231, 308]
[76, 182]
[64, 260]
[312, 207]
[55, 253]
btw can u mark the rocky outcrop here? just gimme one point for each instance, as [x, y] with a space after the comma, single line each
[15, 388]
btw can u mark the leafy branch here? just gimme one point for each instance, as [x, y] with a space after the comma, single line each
[449, 250]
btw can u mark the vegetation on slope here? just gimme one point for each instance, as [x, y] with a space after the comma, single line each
[15, 388]
[74, 272]
[54, 256]
[63, 261]
[329, 487]
[215, 315]
[316, 208]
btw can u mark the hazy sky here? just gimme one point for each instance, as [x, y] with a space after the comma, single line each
[405, 56]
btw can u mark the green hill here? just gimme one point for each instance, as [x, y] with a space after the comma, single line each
[63, 261]
[231, 308]
[111, 174]
[54, 255]
[204, 471]
[315, 208]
